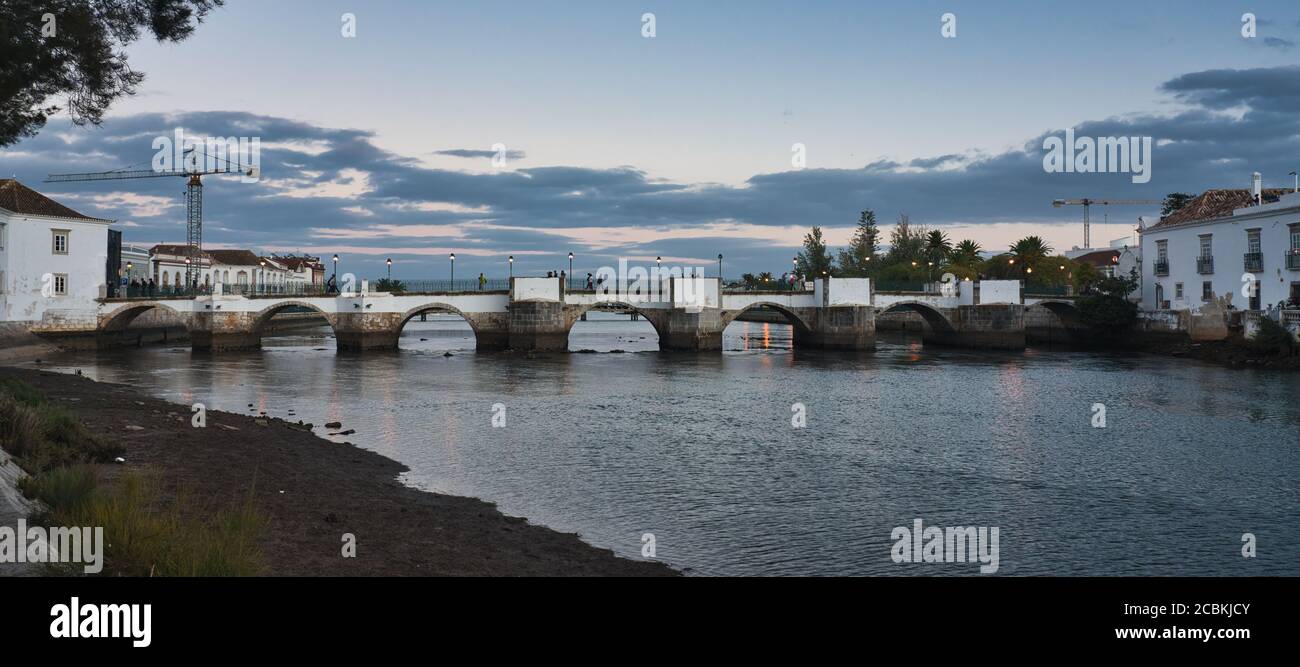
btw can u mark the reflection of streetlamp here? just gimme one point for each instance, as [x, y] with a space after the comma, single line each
[511, 259]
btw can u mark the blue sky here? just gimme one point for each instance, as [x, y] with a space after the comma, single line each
[679, 146]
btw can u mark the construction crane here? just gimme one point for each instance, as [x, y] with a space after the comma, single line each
[1087, 203]
[193, 199]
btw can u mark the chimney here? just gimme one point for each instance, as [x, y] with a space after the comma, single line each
[1256, 188]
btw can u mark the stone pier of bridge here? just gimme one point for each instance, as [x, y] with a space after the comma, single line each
[536, 314]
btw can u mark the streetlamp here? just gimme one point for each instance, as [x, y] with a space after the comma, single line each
[187, 273]
[336, 272]
[453, 270]
[389, 262]
[511, 259]
[262, 274]
[719, 268]
[659, 262]
[570, 268]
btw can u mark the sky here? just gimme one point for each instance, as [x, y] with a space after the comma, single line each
[679, 145]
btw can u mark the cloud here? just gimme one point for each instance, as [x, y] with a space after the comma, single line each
[471, 153]
[1279, 43]
[324, 186]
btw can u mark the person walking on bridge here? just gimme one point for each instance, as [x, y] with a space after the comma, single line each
[482, 282]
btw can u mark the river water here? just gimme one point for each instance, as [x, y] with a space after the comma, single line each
[700, 451]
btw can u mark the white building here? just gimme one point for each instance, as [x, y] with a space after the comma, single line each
[1220, 241]
[53, 260]
[303, 270]
[238, 269]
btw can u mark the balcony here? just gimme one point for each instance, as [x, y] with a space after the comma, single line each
[1253, 262]
[1162, 267]
[1205, 265]
[1293, 260]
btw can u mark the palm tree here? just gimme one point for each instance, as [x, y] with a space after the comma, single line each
[966, 253]
[1029, 252]
[937, 246]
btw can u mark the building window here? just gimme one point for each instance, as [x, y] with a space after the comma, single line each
[1161, 265]
[1254, 259]
[1207, 245]
[60, 284]
[1178, 291]
[1295, 238]
[60, 241]
[1207, 291]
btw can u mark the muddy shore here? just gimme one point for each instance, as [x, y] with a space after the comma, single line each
[315, 491]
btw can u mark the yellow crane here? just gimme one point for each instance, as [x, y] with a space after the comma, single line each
[1087, 203]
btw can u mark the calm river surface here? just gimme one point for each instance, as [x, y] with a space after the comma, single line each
[699, 450]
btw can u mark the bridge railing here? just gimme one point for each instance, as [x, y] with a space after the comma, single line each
[458, 285]
[774, 285]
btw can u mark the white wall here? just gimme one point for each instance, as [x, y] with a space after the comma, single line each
[535, 289]
[848, 292]
[28, 257]
[999, 291]
[1229, 242]
[695, 292]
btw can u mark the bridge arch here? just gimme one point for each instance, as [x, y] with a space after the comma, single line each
[263, 317]
[938, 322]
[794, 318]
[1066, 311]
[118, 320]
[436, 307]
[652, 315]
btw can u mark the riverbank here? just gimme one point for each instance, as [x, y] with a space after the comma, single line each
[315, 491]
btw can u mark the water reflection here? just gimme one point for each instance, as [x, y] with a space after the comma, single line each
[699, 449]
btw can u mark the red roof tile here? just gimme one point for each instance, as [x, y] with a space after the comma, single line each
[18, 198]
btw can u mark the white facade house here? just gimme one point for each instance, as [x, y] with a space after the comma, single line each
[239, 269]
[1218, 244]
[53, 260]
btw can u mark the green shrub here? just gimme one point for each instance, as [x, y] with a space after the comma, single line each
[63, 490]
[1271, 338]
[144, 539]
[43, 436]
[21, 391]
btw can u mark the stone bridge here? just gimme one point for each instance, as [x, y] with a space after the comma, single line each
[535, 314]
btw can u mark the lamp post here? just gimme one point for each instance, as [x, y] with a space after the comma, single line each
[570, 269]
[389, 262]
[187, 273]
[262, 274]
[452, 256]
[719, 268]
[511, 259]
[659, 262]
[1297, 180]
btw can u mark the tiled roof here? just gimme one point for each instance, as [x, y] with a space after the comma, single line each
[1100, 258]
[1218, 203]
[234, 257]
[18, 198]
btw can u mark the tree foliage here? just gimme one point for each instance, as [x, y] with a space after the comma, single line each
[1106, 308]
[815, 260]
[69, 55]
[1174, 201]
[856, 260]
